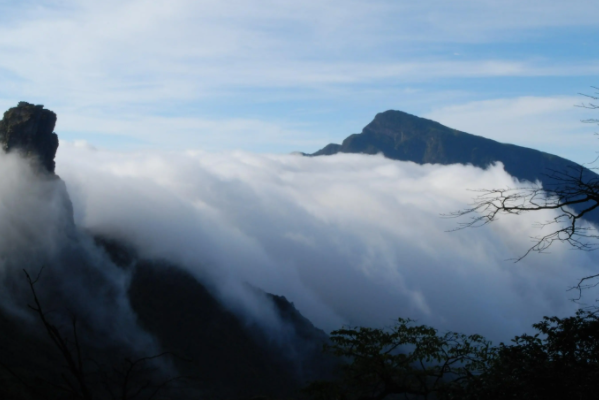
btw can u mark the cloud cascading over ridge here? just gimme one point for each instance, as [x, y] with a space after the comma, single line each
[74, 279]
[350, 239]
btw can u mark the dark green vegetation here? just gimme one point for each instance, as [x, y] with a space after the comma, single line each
[407, 360]
[561, 361]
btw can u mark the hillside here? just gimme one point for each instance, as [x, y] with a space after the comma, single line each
[96, 319]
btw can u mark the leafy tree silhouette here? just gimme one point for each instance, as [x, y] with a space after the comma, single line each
[561, 361]
[410, 360]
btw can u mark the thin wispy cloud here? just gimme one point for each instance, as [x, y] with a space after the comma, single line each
[278, 62]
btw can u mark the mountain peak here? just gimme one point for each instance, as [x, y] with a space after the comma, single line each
[394, 117]
[29, 129]
[399, 124]
[402, 136]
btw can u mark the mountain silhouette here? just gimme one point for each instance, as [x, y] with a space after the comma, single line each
[402, 136]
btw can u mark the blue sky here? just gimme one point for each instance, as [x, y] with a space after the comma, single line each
[280, 76]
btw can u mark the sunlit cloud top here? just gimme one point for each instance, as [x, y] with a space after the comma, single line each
[278, 76]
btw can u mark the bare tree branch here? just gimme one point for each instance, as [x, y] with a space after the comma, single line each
[74, 367]
[573, 193]
[582, 285]
[573, 187]
[132, 380]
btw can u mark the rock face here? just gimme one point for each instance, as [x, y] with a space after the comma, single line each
[29, 129]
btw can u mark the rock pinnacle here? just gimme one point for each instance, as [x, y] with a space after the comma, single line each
[29, 129]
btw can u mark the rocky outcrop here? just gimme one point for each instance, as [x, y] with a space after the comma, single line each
[29, 129]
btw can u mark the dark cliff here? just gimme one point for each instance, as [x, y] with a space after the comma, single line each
[29, 129]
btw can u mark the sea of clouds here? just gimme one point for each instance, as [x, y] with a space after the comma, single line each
[349, 239]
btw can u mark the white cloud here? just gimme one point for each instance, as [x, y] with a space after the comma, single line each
[38, 236]
[144, 51]
[192, 132]
[348, 238]
[263, 63]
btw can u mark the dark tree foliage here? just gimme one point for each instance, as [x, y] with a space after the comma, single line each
[408, 360]
[561, 361]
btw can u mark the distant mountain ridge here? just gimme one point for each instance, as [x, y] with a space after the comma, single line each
[402, 136]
